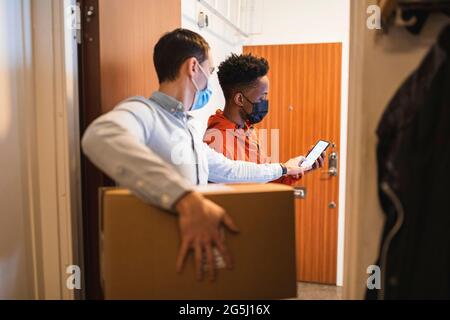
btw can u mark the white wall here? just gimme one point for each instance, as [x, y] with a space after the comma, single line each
[386, 61]
[223, 41]
[301, 21]
[15, 263]
[312, 21]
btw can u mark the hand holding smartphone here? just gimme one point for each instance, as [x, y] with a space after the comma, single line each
[315, 154]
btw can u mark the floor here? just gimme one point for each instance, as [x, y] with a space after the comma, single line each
[310, 291]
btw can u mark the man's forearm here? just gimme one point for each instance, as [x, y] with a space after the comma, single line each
[224, 170]
[133, 165]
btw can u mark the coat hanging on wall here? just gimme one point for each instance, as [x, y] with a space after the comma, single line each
[413, 155]
[411, 14]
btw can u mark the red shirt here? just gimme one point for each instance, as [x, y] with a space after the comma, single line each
[236, 143]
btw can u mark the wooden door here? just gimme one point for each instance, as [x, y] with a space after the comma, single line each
[305, 99]
[116, 62]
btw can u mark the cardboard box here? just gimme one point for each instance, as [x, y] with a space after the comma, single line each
[139, 246]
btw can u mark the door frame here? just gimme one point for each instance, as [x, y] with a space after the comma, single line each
[51, 146]
[354, 211]
[61, 199]
[61, 227]
[343, 157]
[91, 177]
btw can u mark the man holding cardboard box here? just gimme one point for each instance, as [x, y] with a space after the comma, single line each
[151, 147]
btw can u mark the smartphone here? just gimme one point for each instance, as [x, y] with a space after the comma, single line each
[315, 154]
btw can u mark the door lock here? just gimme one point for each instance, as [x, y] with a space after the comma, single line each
[333, 161]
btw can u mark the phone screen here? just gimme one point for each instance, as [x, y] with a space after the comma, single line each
[315, 153]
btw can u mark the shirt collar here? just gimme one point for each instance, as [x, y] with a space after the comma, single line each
[168, 103]
[231, 124]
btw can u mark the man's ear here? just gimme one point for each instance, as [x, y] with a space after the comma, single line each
[238, 99]
[191, 66]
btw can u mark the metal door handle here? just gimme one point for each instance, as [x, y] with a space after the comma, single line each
[333, 170]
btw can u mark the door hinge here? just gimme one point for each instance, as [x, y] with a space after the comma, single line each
[75, 21]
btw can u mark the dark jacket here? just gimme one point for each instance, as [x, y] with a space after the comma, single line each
[414, 182]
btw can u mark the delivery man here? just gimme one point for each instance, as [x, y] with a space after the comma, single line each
[245, 85]
[151, 147]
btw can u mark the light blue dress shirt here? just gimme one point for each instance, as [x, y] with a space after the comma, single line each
[151, 146]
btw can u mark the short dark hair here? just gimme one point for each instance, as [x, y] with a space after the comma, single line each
[241, 71]
[174, 48]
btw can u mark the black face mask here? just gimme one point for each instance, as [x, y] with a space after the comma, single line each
[259, 112]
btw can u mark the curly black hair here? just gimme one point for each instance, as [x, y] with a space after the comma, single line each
[241, 71]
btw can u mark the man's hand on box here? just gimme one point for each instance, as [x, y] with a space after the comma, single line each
[200, 221]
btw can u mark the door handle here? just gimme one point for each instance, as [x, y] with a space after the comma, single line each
[332, 172]
[333, 161]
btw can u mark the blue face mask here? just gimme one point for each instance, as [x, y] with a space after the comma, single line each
[202, 97]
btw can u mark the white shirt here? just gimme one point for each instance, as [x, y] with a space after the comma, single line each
[152, 148]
